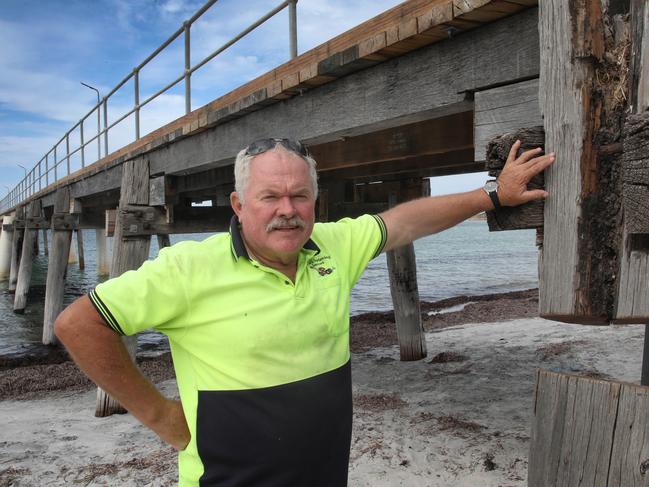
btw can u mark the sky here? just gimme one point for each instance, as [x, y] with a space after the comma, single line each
[47, 48]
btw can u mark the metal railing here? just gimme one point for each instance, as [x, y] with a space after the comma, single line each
[48, 169]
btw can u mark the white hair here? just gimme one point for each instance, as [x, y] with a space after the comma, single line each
[242, 170]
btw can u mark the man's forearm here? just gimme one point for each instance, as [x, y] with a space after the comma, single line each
[101, 354]
[425, 216]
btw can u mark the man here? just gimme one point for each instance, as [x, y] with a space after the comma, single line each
[258, 322]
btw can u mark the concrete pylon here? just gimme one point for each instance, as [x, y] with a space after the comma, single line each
[6, 238]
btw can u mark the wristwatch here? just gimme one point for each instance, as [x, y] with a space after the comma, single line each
[491, 188]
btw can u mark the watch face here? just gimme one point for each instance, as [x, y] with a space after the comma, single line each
[491, 186]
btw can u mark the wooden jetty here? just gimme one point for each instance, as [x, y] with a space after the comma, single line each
[425, 89]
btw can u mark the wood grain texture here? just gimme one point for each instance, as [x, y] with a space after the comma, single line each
[635, 173]
[561, 105]
[56, 267]
[578, 264]
[632, 300]
[128, 254]
[588, 433]
[503, 110]
[639, 67]
[629, 464]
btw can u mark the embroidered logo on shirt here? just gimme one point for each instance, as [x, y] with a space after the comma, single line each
[321, 264]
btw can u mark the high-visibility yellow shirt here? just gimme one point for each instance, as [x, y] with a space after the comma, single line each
[262, 363]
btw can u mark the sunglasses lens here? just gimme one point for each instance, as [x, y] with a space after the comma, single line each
[263, 145]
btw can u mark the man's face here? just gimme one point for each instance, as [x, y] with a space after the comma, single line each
[278, 212]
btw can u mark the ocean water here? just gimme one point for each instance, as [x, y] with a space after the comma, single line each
[464, 260]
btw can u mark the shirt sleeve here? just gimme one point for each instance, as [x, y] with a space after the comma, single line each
[355, 242]
[150, 297]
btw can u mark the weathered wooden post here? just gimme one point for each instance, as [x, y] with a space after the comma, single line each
[6, 239]
[36, 248]
[595, 258]
[588, 432]
[102, 252]
[72, 256]
[62, 226]
[82, 260]
[582, 102]
[16, 246]
[632, 300]
[25, 272]
[128, 253]
[46, 248]
[402, 267]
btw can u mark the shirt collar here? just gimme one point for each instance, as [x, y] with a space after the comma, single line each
[239, 249]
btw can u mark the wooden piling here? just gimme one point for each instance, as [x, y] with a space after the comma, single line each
[583, 97]
[36, 246]
[72, 256]
[46, 249]
[16, 247]
[6, 240]
[128, 253]
[103, 268]
[57, 263]
[588, 432]
[27, 258]
[402, 268]
[82, 260]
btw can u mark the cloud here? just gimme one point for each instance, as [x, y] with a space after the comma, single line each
[44, 94]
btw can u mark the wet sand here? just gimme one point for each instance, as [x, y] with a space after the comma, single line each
[458, 418]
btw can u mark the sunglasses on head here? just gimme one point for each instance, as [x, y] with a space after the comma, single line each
[262, 145]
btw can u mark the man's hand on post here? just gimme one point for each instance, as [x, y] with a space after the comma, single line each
[518, 171]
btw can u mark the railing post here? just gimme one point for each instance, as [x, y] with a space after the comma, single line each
[292, 27]
[83, 147]
[188, 66]
[47, 170]
[105, 126]
[67, 150]
[98, 127]
[56, 163]
[136, 88]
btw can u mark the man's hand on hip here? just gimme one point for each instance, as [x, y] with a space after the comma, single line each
[171, 425]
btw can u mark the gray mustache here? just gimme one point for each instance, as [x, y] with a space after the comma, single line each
[277, 223]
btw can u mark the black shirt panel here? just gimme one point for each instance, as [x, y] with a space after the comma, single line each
[295, 434]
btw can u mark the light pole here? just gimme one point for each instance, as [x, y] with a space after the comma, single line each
[98, 118]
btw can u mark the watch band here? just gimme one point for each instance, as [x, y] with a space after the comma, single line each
[494, 199]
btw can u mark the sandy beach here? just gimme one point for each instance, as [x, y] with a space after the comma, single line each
[458, 418]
